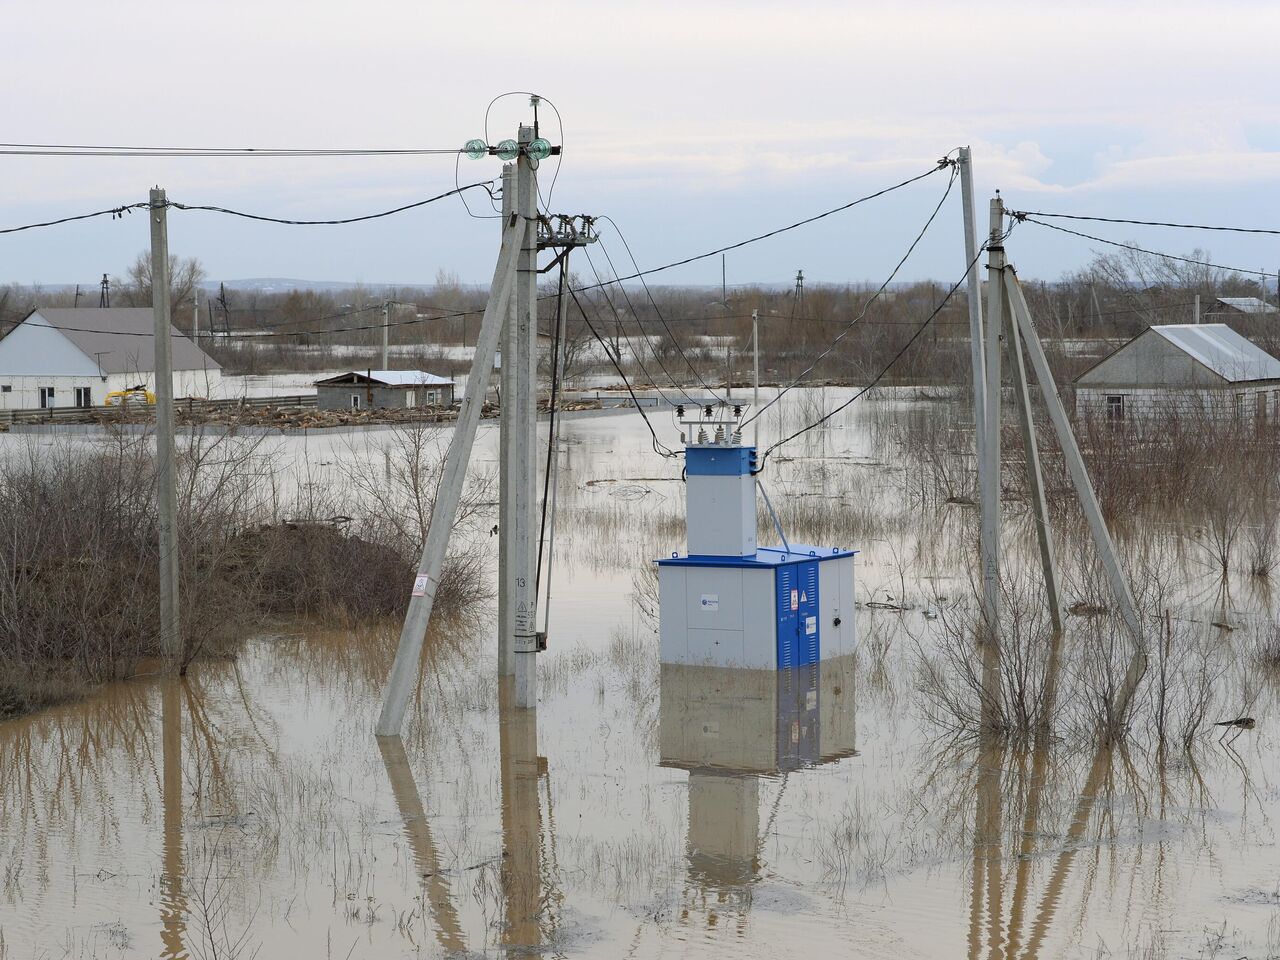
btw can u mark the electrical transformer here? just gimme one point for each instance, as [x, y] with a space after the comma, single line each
[731, 603]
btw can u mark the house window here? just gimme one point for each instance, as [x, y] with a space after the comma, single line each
[433, 398]
[355, 401]
[1115, 407]
[410, 398]
[83, 397]
[1240, 399]
[8, 388]
[46, 397]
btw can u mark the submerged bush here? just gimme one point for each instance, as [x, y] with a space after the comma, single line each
[79, 555]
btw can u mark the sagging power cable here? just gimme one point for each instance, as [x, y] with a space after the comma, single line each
[116, 213]
[1020, 214]
[486, 185]
[661, 319]
[644, 337]
[942, 164]
[1027, 218]
[658, 446]
[764, 458]
[865, 307]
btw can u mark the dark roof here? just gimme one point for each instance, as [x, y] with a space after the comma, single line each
[386, 378]
[122, 339]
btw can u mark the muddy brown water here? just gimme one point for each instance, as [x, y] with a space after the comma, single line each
[641, 811]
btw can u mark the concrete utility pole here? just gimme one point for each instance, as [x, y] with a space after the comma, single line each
[404, 672]
[755, 375]
[166, 454]
[522, 560]
[1196, 315]
[990, 474]
[386, 331]
[506, 393]
[195, 316]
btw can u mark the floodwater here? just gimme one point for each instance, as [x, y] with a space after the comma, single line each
[642, 810]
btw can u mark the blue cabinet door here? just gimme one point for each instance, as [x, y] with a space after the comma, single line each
[787, 588]
[807, 626]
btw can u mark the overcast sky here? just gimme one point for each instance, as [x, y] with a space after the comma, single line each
[692, 123]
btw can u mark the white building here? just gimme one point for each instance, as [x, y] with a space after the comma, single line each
[1200, 369]
[65, 358]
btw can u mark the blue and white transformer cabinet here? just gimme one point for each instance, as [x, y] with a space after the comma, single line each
[731, 603]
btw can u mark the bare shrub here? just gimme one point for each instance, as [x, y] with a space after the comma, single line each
[79, 564]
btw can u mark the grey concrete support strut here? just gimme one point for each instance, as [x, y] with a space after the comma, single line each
[1088, 498]
[166, 453]
[404, 672]
[1035, 478]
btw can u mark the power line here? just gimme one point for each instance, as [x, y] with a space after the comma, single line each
[120, 211]
[99, 150]
[115, 212]
[484, 184]
[887, 367]
[643, 336]
[653, 303]
[866, 306]
[658, 446]
[1020, 214]
[1027, 218]
[941, 165]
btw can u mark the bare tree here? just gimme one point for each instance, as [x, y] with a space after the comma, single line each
[185, 275]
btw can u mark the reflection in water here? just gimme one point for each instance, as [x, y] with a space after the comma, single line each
[729, 728]
[521, 772]
[989, 879]
[417, 830]
[173, 904]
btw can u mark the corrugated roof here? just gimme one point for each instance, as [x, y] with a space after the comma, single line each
[1249, 304]
[395, 378]
[122, 339]
[1222, 350]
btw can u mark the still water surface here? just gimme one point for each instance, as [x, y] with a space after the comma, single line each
[641, 811]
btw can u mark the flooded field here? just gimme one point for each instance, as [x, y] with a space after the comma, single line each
[651, 811]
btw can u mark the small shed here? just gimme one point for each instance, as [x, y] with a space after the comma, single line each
[1201, 369]
[383, 389]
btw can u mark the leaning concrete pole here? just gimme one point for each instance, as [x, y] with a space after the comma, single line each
[1088, 499]
[404, 672]
[975, 307]
[166, 454]
[521, 567]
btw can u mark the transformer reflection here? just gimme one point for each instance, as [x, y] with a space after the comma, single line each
[729, 728]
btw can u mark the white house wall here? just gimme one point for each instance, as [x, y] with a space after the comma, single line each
[1219, 404]
[36, 346]
[24, 391]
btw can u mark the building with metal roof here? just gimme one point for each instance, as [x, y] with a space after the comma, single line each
[1238, 305]
[383, 389]
[66, 357]
[1204, 368]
